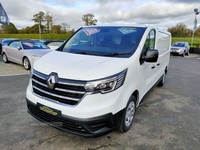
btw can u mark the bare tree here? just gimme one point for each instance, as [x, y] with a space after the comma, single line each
[65, 27]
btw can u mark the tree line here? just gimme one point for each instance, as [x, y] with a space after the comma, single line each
[181, 30]
[45, 23]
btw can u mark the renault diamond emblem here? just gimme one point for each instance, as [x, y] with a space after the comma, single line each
[51, 81]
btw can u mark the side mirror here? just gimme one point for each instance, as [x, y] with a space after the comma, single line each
[19, 48]
[151, 55]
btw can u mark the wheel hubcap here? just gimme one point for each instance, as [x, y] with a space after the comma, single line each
[4, 58]
[26, 64]
[130, 114]
[163, 79]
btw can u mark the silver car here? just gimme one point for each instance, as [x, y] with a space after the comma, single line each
[180, 48]
[24, 52]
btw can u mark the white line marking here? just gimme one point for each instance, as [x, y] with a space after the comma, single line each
[8, 75]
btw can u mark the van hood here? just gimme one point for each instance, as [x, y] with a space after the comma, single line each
[38, 52]
[79, 67]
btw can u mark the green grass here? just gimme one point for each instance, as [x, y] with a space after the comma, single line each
[37, 36]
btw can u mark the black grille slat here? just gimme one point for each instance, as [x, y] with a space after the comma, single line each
[39, 79]
[71, 87]
[58, 92]
[70, 102]
[64, 91]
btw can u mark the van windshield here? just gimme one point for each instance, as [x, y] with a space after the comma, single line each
[105, 41]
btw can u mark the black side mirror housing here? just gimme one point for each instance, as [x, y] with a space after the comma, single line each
[19, 48]
[151, 55]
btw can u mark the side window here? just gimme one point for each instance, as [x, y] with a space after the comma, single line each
[150, 41]
[14, 44]
[149, 44]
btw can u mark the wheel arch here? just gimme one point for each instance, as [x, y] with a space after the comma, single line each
[166, 69]
[24, 58]
[136, 95]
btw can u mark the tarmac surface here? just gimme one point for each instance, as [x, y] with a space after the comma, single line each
[168, 119]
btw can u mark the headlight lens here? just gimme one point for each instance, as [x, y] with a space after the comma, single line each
[107, 84]
[35, 57]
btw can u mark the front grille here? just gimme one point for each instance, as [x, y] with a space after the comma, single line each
[61, 123]
[64, 91]
[174, 48]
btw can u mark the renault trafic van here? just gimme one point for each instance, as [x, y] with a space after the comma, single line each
[93, 83]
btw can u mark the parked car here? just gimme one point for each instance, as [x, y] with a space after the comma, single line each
[92, 84]
[4, 42]
[180, 48]
[24, 52]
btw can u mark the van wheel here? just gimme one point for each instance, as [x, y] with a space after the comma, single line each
[5, 58]
[128, 115]
[183, 55]
[188, 53]
[26, 63]
[162, 82]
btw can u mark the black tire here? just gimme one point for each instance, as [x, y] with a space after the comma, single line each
[5, 58]
[128, 115]
[188, 53]
[26, 63]
[162, 81]
[183, 55]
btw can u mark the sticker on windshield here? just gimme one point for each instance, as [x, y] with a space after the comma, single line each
[127, 30]
[91, 31]
[28, 44]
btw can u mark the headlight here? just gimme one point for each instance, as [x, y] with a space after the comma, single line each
[107, 84]
[180, 50]
[35, 57]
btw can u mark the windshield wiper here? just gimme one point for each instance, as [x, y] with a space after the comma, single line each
[115, 54]
[86, 53]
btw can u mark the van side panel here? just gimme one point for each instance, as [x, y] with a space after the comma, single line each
[163, 43]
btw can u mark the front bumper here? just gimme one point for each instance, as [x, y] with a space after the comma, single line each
[95, 126]
[177, 52]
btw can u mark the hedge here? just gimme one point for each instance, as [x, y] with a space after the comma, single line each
[37, 36]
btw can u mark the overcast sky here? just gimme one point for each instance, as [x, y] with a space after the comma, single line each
[161, 13]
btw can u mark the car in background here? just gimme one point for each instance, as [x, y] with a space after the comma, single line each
[4, 42]
[180, 48]
[53, 44]
[24, 52]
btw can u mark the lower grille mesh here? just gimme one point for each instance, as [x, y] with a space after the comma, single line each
[56, 121]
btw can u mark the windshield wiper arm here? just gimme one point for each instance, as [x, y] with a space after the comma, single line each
[86, 53]
[115, 54]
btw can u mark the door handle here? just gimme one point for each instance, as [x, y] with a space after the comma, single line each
[158, 64]
[153, 67]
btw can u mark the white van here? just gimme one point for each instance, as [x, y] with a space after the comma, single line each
[94, 81]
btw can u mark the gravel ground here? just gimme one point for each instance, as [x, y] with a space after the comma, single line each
[11, 69]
